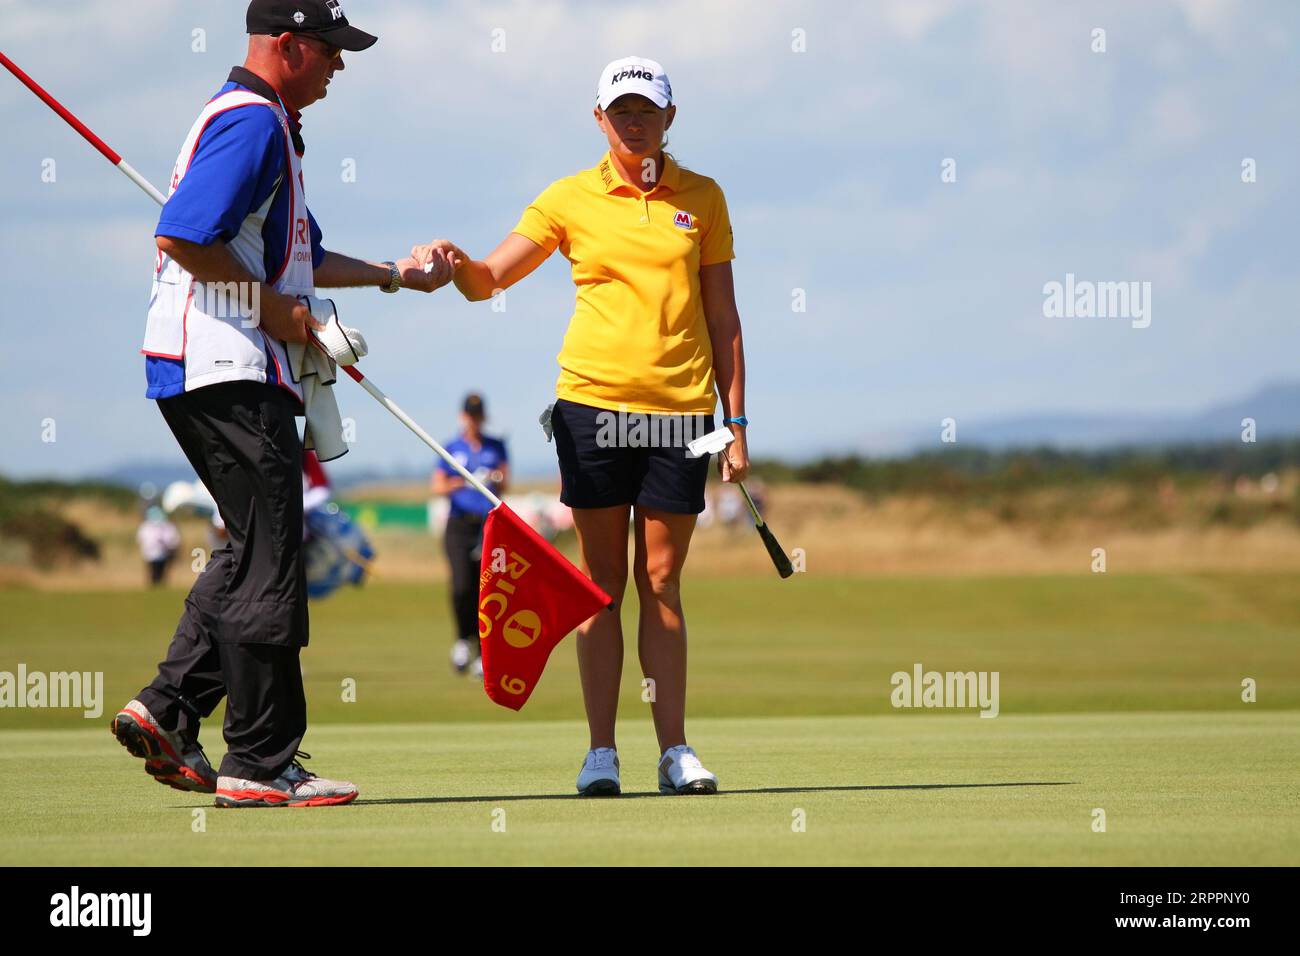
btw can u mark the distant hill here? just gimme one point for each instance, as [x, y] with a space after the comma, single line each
[1275, 409]
[163, 473]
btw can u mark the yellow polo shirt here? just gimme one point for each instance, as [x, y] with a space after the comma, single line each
[638, 338]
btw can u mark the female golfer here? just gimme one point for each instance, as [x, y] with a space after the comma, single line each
[655, 330]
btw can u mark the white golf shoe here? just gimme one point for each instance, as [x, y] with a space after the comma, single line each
[680, 771]
[599, 774]
[461, 655]
[295, 787]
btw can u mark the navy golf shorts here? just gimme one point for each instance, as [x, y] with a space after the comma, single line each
[613, 458]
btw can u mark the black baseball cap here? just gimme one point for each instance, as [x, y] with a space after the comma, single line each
[322, 19]
[474, 405]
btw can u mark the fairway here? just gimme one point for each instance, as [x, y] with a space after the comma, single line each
[1177, 789]
[1118, 693]
[815, 645]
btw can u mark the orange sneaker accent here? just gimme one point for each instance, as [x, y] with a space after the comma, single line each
[273, 797]
[278, 798]
[179, 777]
[326, 801]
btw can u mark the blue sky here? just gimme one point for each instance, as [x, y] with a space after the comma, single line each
[924, 298]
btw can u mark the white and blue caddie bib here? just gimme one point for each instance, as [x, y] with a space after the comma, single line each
[202, 324]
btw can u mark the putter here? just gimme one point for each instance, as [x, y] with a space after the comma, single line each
[717, 442]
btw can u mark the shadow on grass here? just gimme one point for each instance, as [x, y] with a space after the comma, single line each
[397, 801]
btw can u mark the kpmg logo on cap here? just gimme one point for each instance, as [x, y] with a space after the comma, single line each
[636, 73]
[335, 10]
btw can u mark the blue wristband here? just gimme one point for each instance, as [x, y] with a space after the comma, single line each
[742, 421]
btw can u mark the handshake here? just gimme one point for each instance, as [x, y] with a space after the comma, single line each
[438, 259]
[442, 260]
[430, 267]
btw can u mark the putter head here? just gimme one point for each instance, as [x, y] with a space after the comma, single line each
[710, 444]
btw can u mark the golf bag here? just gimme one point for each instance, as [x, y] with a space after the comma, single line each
[336, 551]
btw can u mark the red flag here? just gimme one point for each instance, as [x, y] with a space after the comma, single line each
[529, 599]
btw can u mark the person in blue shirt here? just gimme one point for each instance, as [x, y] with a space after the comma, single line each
[484, 457]
[237, 219]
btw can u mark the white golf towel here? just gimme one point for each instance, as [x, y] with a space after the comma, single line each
[314, 369]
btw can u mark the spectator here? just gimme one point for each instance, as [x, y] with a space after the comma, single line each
[484, 457]
[159, 541]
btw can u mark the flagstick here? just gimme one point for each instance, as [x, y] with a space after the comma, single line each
[103, 148]
[424, 436]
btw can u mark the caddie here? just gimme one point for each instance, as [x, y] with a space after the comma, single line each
[239, 258]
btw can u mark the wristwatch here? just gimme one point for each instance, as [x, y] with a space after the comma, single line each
[394, 277]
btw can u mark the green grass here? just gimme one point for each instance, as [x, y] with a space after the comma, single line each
[814, 645]
[1177, 789]
[1118, 692]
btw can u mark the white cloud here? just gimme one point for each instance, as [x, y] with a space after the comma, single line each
[1116, 165]
[81, 23]
[1212, 18]
[1175, 118]
[1169, 267]
[912, 19]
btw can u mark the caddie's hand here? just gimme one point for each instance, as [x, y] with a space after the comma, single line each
[733, 461]
[414, 276]
[285, 318]
[443, 248]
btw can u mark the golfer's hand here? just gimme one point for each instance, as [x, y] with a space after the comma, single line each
[733, 461]
[414, 276]
[285, 318]
[443, 249]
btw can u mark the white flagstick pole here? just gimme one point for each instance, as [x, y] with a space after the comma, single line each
[424, 436]
[108, 153]
[143, 183]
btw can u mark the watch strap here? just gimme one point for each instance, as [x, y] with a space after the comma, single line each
[394, 277]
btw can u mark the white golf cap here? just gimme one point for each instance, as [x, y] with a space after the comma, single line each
[634, 74]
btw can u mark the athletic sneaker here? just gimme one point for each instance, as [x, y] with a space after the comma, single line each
[172, 757]
[461, 655]
[599, 774]
[476, 668]
[296, 787]
[680, 771]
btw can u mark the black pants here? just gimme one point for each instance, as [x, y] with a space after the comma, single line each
[464, 544]
[158, 571]
[245, 619]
